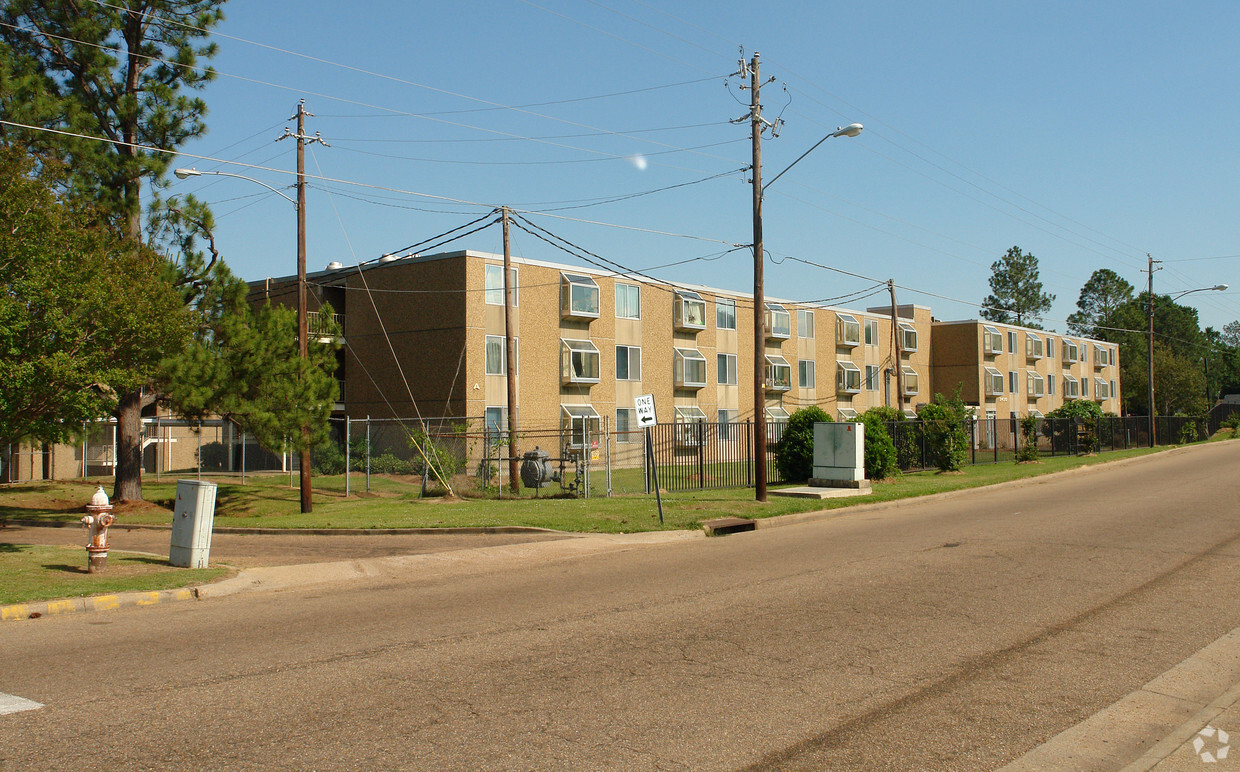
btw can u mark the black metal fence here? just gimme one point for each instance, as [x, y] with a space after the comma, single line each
[702, 455]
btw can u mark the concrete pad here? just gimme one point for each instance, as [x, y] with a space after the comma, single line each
[814, 492]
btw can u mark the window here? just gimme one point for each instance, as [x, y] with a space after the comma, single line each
[994, 382]
[1069, 351]
[495, 355]
[871, 332]
[725, 313]
[628, 301]
[626, 426]
[628, 363]
[1084, 387]
[992, 340]
[1071, 387]
[910, 414]
[579, 361]
[778, 373]
[777, 416]
[805, 373]
[689, 311]
[1033, 347]
[845, 414]
[805, 323]
[493, 281]
[1050, 383]
[1035, 413]
[847, 377]
[577, 424]
[579, 297]
[1112, 392]
[1012, 381]
[727, 428]
[688, 368]
[871, 377]
[1101, 389]
[690, 426]
[1101, 356]
[847, 331]
[908, 380]
[1011, 341]
[908, 337]
[496, 419]
[727, 369]
[1050, 347]
[1034, 385]
[778, 322]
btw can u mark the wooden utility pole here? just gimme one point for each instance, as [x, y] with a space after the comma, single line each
[509, 364]
[759, 299]
[303, 346]
[1150, 349]
[896, 352]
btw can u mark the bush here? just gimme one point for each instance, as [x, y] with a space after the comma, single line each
[880, 451]
[794, 453]
[1232, 422]
[1029, 439]
[946, 440]
[1188, 433]
[387, 463]
[1061, 431]
[327, 459]
[213, 457]
[445, 463]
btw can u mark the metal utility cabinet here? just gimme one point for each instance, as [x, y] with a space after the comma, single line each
[191, 524]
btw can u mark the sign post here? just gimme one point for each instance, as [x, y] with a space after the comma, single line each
[646, 419]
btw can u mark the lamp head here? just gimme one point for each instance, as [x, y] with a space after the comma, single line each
[184, 174]
[1219, 287]
[851, 130]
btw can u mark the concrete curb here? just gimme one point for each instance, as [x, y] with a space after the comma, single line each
[1151, 723]
[450, 531]
[93, 603]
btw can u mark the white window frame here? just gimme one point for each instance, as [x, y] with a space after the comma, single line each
[872, 332]
[806, 377]
[1013, 382]
[1101, 356]
[682, 356]
[775, 365]
[631, 292]
[1102, 389]
[847, 330]
[1071, 387]
[726, 424]
[992, 340]
[845, 414]
[907, 372]
[571, 285]
[805, 323]
[572, 351]
[576, 416]
[908, 337]
[501, 425]
[847, 372]
[630, 376]
[691, 426]
[725, 369]
[494, 296]
[682, 301]
[629, 434]
[994, 381]
[778, 416]
[1071, 351]
[1034, 412]
[725, 313]
[1033, 347]
[1035, 384]
[1011, 336]
[502, 348]
[1050, 384]
[873, 374]
[1050, 347]
[778, 322]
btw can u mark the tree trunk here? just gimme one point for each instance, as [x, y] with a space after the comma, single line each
[129, 447]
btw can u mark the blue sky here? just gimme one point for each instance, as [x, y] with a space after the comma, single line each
[1086, 133]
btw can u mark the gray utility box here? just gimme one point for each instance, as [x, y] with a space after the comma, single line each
[839, 455]
[191, 524]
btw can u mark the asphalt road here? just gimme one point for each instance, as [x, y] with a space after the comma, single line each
[955, 634]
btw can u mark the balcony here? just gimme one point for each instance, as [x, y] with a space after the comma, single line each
[325, 328]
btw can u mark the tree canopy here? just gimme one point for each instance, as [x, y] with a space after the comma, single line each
[1100, 299]
[1016, 291]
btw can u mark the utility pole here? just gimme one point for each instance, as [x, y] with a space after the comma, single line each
[1150, 349]
[759, 300]
[303, 349]
[509, 365]
[895, 335]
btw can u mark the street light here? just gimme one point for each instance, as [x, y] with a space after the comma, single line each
[307, 503]
[1150, 346]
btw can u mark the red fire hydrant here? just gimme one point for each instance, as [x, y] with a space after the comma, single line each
[97, 521]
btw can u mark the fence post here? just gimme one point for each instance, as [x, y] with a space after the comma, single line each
[348, 460]
[701, 445]
[368, 454]
[243, 458]
[586, 449]
[607, 449]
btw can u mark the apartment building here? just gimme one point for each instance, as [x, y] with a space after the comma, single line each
[425, 336]
[1005, 370]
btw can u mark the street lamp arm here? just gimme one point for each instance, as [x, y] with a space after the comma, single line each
[851, 130]
[1215, 288]
[183, 174]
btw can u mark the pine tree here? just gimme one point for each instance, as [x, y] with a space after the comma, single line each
[1016, 292]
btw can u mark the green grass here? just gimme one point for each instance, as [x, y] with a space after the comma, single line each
[30, 573]
[269, 501]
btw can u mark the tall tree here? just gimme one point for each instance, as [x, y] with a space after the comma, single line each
[112, 80]
[1016, 291]
[1100, 298]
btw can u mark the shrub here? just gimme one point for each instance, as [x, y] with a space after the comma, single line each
[327, 459]
[1232, 422]
[213, 457]
[946, 439]
[1188, 433]
[794, 453]
[387, 463]
[445, 462]
[880, 451]
[1029, 439]
[1063, 424]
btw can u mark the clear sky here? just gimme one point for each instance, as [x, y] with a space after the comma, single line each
[1087, 133]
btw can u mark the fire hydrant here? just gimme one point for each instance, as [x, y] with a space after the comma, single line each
[97, 523]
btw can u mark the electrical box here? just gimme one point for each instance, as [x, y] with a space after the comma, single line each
[192, 518]
[839, 455]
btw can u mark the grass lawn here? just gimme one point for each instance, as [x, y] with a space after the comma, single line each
[269, 501]
[30, 573]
